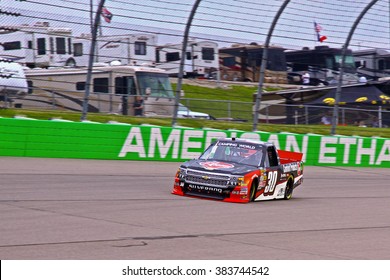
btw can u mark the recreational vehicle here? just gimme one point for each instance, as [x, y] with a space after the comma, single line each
[323, 65]
[113, 89]
[201, 58]
[134, 49]
[242, 63]
[12, 81]
[373, 63]
[37, 45]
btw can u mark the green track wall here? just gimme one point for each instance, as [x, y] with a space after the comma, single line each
[58, 139]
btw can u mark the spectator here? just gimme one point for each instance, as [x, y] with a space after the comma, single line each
[306, 78]
[363, 80]
[375, 122]
[138, 106]
[326, 119]
[362, 123]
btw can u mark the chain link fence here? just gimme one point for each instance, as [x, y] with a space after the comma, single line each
[58, 33]
[218, 110]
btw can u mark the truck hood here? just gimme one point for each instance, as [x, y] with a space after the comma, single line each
[226, 167]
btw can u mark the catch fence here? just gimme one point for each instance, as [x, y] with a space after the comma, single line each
[275, 111]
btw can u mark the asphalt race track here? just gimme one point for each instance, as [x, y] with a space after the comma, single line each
[119, 210]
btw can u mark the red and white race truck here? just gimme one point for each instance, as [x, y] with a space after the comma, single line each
[240, 170]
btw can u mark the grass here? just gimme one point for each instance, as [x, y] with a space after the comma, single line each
[204, 96]
[215, 101]
[224, 125]
[235, 99]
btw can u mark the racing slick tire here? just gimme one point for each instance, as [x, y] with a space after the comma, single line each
[253, 191]
[289, 189]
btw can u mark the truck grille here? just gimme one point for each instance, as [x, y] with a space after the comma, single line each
[206, 178]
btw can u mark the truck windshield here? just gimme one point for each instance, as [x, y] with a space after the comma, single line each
[234, 152]
[154, 84]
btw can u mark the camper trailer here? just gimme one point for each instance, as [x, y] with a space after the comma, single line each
[134, 49]
[113, 89]
[201, 58]
[37, 45]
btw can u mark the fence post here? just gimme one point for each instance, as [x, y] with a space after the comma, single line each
[335, 117]
[306, 114]
[90, 61]
[296, 117]
[229, 109]
[264, 61]
[182, 61]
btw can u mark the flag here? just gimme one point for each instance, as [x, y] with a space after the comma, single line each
[322, 38]
[318, 29]
[106, 14]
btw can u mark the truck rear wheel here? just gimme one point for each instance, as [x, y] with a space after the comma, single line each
[289, 189]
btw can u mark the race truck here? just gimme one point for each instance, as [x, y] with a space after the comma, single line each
[240, 170]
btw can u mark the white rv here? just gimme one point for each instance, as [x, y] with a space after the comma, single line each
[37, 45]
[12, 80]
[113, 89]
[134, 49]
[373, 63]
[202, 58]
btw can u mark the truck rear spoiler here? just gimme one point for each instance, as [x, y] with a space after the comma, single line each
[287, 156]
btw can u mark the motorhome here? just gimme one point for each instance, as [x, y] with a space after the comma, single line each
[373, 63]
[133, 49]
[322, 63]
[112, 90]
[38, 45]
[242, 63]
[201, 58]
[12, 81]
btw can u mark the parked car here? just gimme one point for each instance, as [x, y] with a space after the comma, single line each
[184, 112]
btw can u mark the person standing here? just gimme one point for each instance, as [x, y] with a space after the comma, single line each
[326, 119]
[306, 79]
[138, 106]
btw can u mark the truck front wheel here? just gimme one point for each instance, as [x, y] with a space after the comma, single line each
[253, 191]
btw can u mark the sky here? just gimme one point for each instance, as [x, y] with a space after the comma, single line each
[227, 21]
